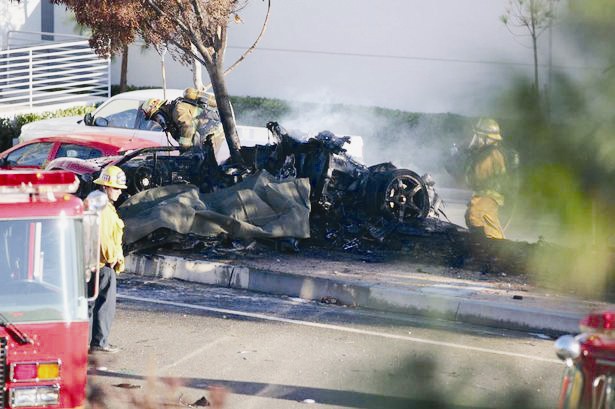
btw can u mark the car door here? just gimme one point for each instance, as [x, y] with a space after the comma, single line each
[32, 155]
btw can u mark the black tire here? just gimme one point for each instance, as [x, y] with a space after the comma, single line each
[399, 194]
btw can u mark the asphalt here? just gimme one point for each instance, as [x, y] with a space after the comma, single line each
[394, 287]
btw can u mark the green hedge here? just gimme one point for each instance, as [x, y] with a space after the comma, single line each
[11, 127]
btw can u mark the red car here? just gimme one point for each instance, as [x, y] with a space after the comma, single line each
[36, 153]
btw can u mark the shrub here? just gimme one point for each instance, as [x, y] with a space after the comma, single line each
[11, 127]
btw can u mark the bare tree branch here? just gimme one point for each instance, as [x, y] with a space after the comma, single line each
[223, 43]
[209, 57]
[198, 12]
[203, 56]
[194, 34]
[189, 52]
[161, 13]
[252, 47]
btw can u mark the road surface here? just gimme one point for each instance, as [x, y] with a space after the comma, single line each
[178, 339]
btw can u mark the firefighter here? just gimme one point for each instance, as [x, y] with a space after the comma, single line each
[485, 170]
[187, 118]
[102, 311]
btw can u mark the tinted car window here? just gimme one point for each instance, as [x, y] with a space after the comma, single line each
[70, 150]
[120, 113]
[34, 154]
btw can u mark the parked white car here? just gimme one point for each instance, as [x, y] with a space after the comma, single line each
[119, 115]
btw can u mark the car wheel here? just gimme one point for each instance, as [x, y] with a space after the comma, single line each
[399, 194]
[141, 179]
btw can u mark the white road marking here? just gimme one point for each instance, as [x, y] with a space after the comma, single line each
[337, 328]
[193, 353]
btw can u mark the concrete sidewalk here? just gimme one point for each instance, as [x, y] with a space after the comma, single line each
[397, 287]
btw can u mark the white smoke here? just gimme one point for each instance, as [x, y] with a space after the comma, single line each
[419, 143]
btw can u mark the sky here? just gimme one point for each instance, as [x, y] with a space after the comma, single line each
[426, 56]
[413, 55]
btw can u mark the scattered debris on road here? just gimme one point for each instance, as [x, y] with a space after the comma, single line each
[541, 336]
[202, 401]
[127, 386]
[329, 300]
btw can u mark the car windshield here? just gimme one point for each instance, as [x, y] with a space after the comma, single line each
[34, 154]
[41, 270]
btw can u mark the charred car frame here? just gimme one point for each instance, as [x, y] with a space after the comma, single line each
[340, 186]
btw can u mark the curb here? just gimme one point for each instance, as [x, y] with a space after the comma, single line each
[375, 297]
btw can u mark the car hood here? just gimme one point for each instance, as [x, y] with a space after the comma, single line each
[47, 127]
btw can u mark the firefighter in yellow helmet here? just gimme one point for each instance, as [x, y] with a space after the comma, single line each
[188, 119]
[102, 311]
[485, 170]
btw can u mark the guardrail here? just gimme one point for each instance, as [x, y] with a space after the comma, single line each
[53, 73]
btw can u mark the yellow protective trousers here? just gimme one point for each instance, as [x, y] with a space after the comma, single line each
[482, 214]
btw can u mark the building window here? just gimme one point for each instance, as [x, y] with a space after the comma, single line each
[47, 25]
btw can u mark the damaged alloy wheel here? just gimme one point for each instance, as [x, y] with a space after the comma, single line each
[141, 179]
[398, 194]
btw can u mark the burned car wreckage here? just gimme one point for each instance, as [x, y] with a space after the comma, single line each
[347, 199]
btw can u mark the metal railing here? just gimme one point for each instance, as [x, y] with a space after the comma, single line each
[22, 38]
[51, 73]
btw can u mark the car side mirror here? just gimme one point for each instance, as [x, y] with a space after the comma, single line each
[88, 119]
[101, 122]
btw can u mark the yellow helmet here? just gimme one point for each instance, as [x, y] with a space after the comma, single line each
[112, 176]
[151, 106]
[489, 128]
[191, 93]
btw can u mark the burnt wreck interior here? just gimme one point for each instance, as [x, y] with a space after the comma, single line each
[352, 207]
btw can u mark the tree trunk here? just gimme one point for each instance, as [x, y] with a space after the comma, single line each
[535, 46]
[124, 69]
[216, 75]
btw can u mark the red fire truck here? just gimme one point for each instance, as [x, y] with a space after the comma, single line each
[589, 377]
[48, 250]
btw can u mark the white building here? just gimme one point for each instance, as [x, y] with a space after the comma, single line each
[415, 55]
